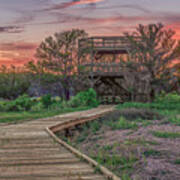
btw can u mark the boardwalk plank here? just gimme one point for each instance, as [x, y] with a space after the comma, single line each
[27, 152]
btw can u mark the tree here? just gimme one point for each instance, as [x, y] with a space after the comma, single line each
[59, 54]
[152, 53]
[14, 81]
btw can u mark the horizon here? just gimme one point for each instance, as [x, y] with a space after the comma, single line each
[25, 23]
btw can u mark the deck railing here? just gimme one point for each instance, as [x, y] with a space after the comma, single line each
[104, 67]
[104, 43]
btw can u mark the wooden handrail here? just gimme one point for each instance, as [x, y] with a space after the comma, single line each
[104, 42]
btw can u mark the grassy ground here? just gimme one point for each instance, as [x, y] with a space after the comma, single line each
[15, 117]
[135, 142]
[27, 108]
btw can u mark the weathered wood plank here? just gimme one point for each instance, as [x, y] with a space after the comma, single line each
[28, 153]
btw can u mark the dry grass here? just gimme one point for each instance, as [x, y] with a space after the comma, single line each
[132, 153]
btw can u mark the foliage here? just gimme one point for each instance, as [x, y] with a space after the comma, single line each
[2, 106]
[14, 117]
[153, 50]
[169, 101]
[37, 107]
[175, 120]
[166, 106]
[26, 103]
[56, 53]
[59, 54]
[13, 82]
[22, 103]
[46, 100]
[171, 98]
[84, 98]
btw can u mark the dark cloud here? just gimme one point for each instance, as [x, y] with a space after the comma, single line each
[11, 29]
[25, 17]
[67, 18]
[126, 6]
[170, 17]
[72, 3]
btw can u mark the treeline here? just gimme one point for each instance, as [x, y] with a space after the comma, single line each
[15, 82]
[56, 70]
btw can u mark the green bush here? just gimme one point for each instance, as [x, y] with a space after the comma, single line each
[168, 98]
[37, 107]
[169, 101]
[2, 106]
[85, 98]
[25, 103]
[22, 103]
[46, 100]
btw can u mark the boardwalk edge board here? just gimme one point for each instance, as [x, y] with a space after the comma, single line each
[63, 125]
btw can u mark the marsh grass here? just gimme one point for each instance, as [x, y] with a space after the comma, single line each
[123, 123]
[117, 163]
[123, 141]
[167, 107]
[161, 134]
[152, 152]
[140, 141]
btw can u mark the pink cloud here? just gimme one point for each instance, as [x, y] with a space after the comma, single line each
[16, 53]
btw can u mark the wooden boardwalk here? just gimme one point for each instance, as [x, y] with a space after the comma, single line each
[27, 152]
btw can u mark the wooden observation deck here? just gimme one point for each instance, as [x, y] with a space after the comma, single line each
[97, 47]
[114, 44]
[104, 73]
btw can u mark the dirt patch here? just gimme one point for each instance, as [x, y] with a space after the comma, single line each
[132, 152]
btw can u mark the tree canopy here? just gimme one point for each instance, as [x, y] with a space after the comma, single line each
[152, 53]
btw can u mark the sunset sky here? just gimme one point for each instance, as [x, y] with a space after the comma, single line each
[25, 23]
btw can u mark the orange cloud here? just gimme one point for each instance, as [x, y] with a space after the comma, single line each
[16, 53]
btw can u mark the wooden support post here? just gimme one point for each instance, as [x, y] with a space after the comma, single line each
[79, 50]
[92, 66]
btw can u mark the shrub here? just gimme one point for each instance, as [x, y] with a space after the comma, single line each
[2, 106]
[37, 107]
[85, 98]
[168, 98]
[46, 100]
[169, 101]
[91, 98]
[57, 99]
[22, 103]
